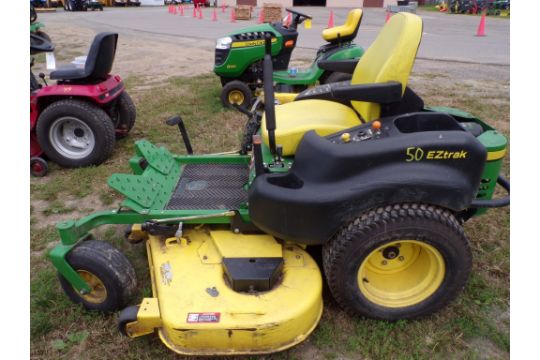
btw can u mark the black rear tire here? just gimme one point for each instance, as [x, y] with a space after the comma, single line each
[97, 122]
[336, 77]
[236, 92]
[381, 234]
[123, 115]
[107, 264]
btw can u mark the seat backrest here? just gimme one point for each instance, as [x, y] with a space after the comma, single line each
[100, 58]
[389, 58]
[347, 31]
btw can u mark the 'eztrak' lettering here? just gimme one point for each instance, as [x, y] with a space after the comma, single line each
[414, 153]
[443, 154]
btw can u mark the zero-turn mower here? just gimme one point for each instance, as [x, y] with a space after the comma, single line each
[239, 57]
[226, 234]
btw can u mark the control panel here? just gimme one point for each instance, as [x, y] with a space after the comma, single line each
[373, 130]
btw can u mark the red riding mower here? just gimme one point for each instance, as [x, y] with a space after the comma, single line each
[75, 121]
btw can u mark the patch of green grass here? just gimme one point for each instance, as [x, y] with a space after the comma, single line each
[57, 207]
[40, 238]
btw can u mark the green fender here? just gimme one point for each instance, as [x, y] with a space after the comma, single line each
[312, 74]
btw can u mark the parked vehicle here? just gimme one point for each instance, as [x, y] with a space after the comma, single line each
[75, 121]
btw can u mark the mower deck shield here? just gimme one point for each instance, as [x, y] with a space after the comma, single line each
[199, 312]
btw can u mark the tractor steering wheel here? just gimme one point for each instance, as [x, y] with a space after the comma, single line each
[39, 44]
[298, 18]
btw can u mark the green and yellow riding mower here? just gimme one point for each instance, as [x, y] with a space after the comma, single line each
[226, 234]
[239, 57]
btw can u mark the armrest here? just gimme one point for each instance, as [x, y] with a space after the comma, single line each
[382, 93]
[342, 66]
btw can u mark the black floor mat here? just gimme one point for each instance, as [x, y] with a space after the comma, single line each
[210, 186]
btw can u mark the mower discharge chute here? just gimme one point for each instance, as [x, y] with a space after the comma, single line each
[239, 57]
[226, 234]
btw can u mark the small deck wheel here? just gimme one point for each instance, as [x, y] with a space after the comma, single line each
[236, 92]
[38, 167]
[398, 262]
[128, 315]
[106, 270]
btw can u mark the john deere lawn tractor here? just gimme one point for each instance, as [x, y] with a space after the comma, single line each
[383, 187]
[239, 57]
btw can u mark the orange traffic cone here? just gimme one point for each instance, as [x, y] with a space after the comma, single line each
[181, 9]
[214, 15]
[170, 9]
[261, 17]
[288, 20]
[223, 8]
[388, 16]
[331, 19]
[174, 10]
[482, 27]
[233, 15]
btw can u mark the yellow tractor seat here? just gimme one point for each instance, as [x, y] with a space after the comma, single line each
[298, 117]
[347, 31]
[389, 60]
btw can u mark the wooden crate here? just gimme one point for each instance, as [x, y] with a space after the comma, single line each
[272, 12]
[243, 12]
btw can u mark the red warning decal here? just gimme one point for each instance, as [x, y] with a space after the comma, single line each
[206, 317]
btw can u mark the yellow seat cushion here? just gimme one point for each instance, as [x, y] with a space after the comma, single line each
[294, 119]
[347, 29]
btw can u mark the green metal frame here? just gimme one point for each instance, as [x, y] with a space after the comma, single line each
[157, 182]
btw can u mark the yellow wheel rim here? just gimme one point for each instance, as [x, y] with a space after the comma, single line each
[401, 273]
[236, 97]
[98, 294]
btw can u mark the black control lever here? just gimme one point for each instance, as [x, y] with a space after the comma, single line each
[42, 77]
[177, 120]
[269, 93]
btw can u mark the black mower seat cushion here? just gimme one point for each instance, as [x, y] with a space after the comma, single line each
[67, 72]
[98, 63]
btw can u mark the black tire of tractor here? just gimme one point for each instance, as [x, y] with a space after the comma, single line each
[127, 316]
[345, 252]
[237, 87]
[94, 117]
[43, 35]
[336, 77]
[110, 266]
[127, 112]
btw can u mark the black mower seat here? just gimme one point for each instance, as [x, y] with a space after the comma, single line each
[98, 62]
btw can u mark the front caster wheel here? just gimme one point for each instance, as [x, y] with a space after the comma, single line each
[236, 93]
[398, 262]
[128, 315]
[38, 167]
[106, 270]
